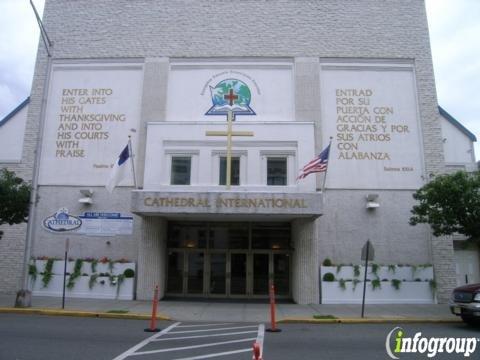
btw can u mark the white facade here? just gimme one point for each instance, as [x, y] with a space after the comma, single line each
[167, 86]
[457, 144]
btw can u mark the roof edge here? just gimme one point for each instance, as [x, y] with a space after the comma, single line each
[15, 111]
[457, 124]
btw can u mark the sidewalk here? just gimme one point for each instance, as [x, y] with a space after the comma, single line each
[234, 311]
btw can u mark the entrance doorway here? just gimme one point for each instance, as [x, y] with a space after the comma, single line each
[228, 260]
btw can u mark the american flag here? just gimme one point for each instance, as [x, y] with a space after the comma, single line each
[319, 164]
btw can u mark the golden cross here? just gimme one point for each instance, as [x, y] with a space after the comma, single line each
[229, 133]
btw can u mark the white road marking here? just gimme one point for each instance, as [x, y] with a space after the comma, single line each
[203, 325]
[191, 347]
[260, 337]
[204, 336]
[218, 329]
[216, 354]
[132, 350]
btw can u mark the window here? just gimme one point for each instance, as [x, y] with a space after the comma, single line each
[235, 179]
[181, 167]
[277, 171]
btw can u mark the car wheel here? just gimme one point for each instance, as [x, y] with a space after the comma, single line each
[469, 320]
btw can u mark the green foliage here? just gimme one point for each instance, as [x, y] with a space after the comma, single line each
[47, 273]
[375, 268]
[355, 283]
[450, 204]
[339, 267]
[327, 262]
[32, 271]
[14, 197]
[120, 279]
[392, 268]
[433, 285]
[92, 281]
[396, 284]
[328, 277]
[77, 271]
[376, 284]
[93, 265]
[356, 270]
[129, 273]
[341, 283]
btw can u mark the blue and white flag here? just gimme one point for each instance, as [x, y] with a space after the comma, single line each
[119, 170]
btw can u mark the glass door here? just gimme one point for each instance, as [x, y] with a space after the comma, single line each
[260, 274]
[175, 272]
[218, 274]
[195, 272]
[238, 274]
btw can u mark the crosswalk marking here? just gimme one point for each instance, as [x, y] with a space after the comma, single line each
[204, 336]
[203, 325]
[192, 347]
[199, 332]
[217, 354]
[217, 329]
[260, 337]
[132, 350]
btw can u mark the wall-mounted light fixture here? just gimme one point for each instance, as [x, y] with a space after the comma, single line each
[372, 201]
[87, 196]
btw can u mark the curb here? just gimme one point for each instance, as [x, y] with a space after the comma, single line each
[395, 320]
[77, 313]
[134, 316]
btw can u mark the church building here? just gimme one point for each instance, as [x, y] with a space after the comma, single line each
[216, 107]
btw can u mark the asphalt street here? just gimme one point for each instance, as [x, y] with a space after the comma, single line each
[32, 337]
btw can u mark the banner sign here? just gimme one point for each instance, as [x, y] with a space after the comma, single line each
[105, 224]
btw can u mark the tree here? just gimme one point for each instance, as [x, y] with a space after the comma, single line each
[14, 199]
[450, 204]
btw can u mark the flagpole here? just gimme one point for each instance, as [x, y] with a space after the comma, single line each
[130, 151]
[326, 170]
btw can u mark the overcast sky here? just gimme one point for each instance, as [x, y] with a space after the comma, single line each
[454, 32]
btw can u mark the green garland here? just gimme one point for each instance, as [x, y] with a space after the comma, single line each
[77, 272]
[92, 281]
[356, 271]
[376, 284]
[32, 271]
[47, 273]
[93, 265]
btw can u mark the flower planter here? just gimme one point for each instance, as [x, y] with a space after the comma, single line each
[411, 292]
[404, 273]
[82, 290]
